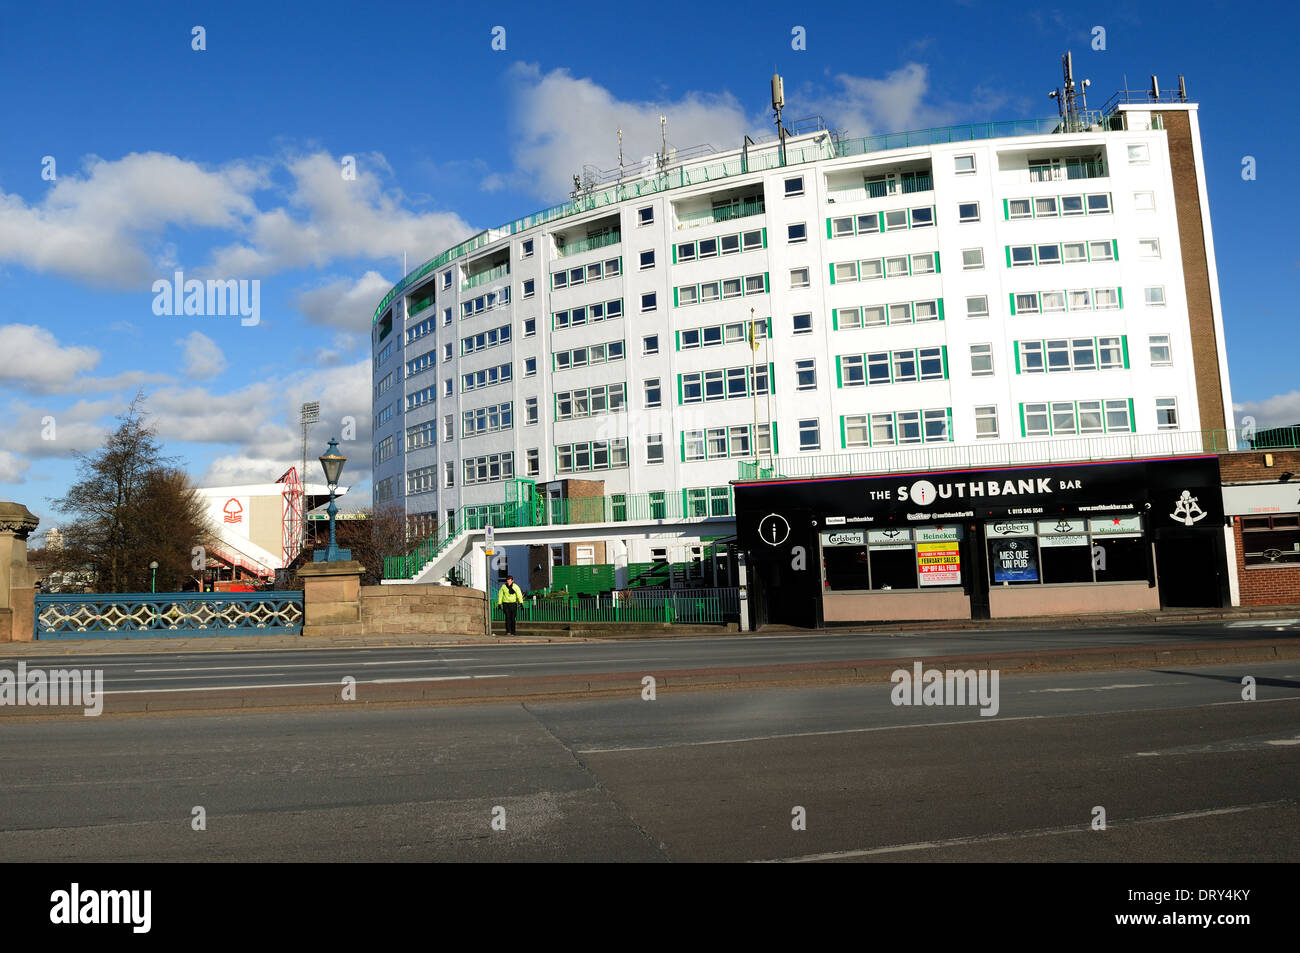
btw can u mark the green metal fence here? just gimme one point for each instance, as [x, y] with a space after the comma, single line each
[723, 213]
[483, 277]
[683, 606]
[540, 511]
[1010, 453]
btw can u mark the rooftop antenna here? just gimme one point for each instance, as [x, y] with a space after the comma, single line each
[778, 104]
[1071, 98]
[620, 155]
[1182, 89]
[663, 140]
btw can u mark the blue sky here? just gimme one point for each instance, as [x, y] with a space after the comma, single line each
[226, 162]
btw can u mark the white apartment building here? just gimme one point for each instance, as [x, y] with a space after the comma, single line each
[996, 284]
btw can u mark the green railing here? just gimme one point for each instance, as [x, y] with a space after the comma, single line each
[415, 307]
[681, 606]
[1028, 451]
[540, 511]
[725, 213]
[483, 277]
[767, 158]
[589, 244]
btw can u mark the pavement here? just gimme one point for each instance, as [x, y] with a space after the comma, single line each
[1261, 615]
[1181, 767]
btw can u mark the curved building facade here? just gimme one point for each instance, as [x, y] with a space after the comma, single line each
[976, 290]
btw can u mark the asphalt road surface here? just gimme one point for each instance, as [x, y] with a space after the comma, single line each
[188, 672]
[1184, 769]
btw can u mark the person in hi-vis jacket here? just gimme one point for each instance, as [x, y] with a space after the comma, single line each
[509, 596]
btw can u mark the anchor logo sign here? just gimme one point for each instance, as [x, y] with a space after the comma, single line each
[1187, 511]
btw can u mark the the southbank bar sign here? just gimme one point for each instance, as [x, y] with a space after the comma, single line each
[1016, 494]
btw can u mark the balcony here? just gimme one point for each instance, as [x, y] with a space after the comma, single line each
[878, 188]
[414, 307]
[588, 244]
[1067, 170]
[483, 277]
[723, 213]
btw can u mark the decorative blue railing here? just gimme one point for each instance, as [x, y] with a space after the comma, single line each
[144, 615]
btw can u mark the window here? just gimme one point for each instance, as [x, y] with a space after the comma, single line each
[1271, 540]
[648, 302]
[1161, 352]
[599, 455]
[446, 351]
[446, 280]
[530, 288]
[1154, 296]
[803, 324]
[530, 410]
[895, 219]
[449, 474]
[977, 306]
[526, 249]
[1166, 413]
[447, 388]
[1022, 255]
[530, 327]
[1072, 205]
[647, 259]
[1138, 153]
[809, 435]
[986, 422]
[1101, 251]
[799, 278]
[650, 344]
[796, 234]
[645, 216]
[922, 217]
[530, 366]
[653, 392]
[1144, 201]
[925, 264]
[794, 186]
[1099, 204]
[1026, 303]
[1045, 207]
[533, 462]
[1020, 208]
[805, 374]
[487, 420]
[964, 165]
[981, 360]
[448, 428]
[1149, 247]
[968, 212]
[972, 259]
[446, 317]
[1106, 299]
[489, 468]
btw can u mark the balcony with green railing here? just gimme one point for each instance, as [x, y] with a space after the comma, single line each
[589, 244]
[483, 277]
[723, 213]
[416, 306]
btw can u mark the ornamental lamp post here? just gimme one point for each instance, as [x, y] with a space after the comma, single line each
[332, 463]
[153, 576]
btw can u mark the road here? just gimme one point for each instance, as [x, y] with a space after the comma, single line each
[191, 671]
[1183, 767]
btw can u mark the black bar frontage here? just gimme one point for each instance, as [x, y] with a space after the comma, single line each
[995, 543]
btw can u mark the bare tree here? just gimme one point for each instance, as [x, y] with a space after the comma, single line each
[130, 506]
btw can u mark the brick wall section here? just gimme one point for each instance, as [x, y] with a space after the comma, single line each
[1196, 271]
[583, 490]
[1261, 585]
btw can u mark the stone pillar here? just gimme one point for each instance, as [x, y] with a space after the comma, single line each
[331, 596]
[17, 580]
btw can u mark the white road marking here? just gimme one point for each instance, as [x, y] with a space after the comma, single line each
[1020, 835]
[1286, 741]
[1098, 688]
[1261, 623]
[229, 668]
[335, 684]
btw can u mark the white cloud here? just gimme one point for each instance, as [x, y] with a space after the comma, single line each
[95, 227]
[13, 468]
[336, 218]
[203, 356]
[38, 362]
[343, 304]
[1280, 410]
[865, 106]
[79, 427]
[559, 122]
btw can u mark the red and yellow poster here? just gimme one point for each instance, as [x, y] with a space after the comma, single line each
[939, 563]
